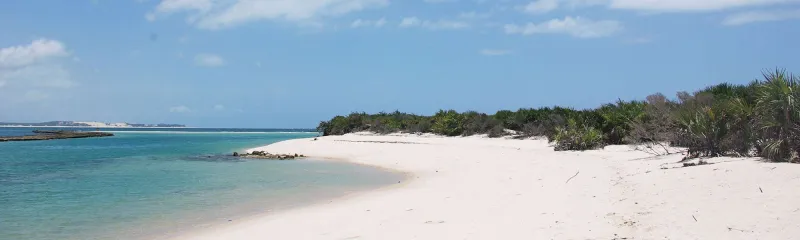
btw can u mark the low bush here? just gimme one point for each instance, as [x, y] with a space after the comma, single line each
[577, 137]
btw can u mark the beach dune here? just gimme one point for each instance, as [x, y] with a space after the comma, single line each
[481, 188]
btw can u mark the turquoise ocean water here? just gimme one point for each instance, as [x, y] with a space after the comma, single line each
[143, 183]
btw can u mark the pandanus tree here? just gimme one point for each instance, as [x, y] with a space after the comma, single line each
[779, 115]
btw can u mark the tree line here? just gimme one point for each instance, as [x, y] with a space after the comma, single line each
[761, 118]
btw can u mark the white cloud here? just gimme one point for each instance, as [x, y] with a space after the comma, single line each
[36, 51]
[494, 52]
[440, 1]
[761, 16]
[576, 27]
[34, 65]
[208, 60]
[219, 107]
[433, 25]
[215, 14]
[368, 23]
[540, 6]
[690, 5]
[179, 109]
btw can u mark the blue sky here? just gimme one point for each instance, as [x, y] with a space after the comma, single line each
[292, 63]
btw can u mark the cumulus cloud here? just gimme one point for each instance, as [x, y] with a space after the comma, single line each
[180, 109]
[37, 51]
[543, 6]
[368, 23]
[433, 25]
[576, 27]
[494, 52]
[34, 65]
[215, 14]
[761, 16]
[208, 60]
[690, 5]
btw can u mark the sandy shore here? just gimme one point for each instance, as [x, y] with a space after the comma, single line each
[477, 188]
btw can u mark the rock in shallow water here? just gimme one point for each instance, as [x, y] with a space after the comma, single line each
[266, 155]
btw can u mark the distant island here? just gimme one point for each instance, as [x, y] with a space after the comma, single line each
[90, 124]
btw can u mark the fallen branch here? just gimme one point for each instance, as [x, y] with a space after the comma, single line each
[576, 174]
[740, 230]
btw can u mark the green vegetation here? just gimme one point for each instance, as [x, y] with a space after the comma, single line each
[758, 119]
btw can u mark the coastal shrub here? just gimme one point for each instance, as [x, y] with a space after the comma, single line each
[577, 137]
[615, 119]
[506, 118]
[448, 123]
[656, 129]
[778, 116]
[761, 118]
[478, 123]
[532, 129]
[713, 126]
[550, 125]
[496, 131]
[422, 125]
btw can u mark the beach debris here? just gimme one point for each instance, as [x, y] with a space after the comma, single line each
[740, 230]
[759, 189]
[699, 163]
[267, 155]
[695, 219]
[573, 176]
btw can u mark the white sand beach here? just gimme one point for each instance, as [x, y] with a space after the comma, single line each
[480, 188]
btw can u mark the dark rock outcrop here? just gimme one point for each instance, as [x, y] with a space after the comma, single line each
[266, 155]
[50, 135]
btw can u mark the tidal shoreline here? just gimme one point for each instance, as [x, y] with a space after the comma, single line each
[481, 188]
